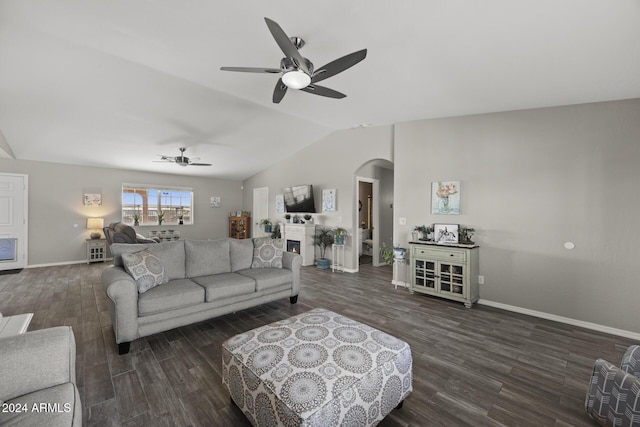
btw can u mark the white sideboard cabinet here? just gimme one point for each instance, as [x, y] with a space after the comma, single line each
[447, 271]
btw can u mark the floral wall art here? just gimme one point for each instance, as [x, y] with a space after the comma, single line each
[445, 198]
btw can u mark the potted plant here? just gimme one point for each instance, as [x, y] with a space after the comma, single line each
[160, 217]
[277, 234]
[465, 234]
[308, 218]
[181, 219]
[424, 230]
[340, 234]
[323, 239]
[136, 219]
[386, 252]
[287, 217]
[267, 225]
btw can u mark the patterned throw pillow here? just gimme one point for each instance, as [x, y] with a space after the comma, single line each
[146, 269]
[267, 253]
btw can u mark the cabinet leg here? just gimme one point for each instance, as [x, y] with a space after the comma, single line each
[468, 304]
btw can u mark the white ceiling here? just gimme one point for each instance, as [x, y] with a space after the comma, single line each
[115, 83]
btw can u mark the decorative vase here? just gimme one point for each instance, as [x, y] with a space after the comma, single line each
[339, 240]
[136, 223]
[181, 222]
[267, 228]
[323, 263]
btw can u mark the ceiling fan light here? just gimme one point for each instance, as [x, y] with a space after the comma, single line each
[296, 79]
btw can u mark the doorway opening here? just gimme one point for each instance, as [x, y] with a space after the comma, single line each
[365, 221]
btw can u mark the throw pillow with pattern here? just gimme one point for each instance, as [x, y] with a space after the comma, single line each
[267, 253]
[146, 269]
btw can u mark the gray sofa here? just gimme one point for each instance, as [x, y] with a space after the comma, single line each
[38, 384]
[206, 279]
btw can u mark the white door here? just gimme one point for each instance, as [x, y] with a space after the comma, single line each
[13, 221]
[260, 210]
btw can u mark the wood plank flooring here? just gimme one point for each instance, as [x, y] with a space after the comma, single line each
[479, 366]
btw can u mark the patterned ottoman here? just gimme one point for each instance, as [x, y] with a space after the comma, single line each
[316, 369]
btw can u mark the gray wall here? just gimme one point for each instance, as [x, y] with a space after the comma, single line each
[55, 205]
[531, 181]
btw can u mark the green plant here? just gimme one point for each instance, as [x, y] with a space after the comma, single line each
[136, 217]
[276, 234]
[160, 217]
[339, 231]
[307, 217]
[323, 239]
[287, 216]
[424, 229]
[265, 222]
[386, 252]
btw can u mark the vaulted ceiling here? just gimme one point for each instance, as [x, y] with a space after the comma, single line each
[117, 83]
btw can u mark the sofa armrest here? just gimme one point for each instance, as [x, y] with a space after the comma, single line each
[611, 395]
[36, 360]
[293, 262]
[123, 302]
[631, 361]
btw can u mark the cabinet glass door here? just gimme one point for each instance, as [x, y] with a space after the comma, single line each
[452, 278]
[425, 274]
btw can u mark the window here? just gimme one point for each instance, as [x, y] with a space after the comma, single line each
[146, 203]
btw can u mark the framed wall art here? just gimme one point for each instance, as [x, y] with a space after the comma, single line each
[329, 200]
[445, 198]
[445, 233]
[93, 199]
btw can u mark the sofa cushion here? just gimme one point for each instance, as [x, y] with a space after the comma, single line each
[241, 253]
[175, 294]
[267, 278]
[61, 407]
[225, 285]
[146, 269]
[171, 255]
[267, 253]
[205, 257]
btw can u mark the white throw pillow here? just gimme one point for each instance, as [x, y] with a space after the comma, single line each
[267, 253]
[146, 269]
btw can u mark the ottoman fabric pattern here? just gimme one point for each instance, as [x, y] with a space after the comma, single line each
[316, 368]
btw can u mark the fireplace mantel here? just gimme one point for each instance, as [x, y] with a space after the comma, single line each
[302, 233]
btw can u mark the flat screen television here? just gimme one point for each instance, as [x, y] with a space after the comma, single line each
[299, 199]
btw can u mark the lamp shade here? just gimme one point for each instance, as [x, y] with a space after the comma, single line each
[95, 223]
[296, 79]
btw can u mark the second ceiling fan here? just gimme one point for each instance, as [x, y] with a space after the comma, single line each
[298, 72]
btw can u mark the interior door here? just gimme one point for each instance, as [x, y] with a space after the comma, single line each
[13, 221]
[260, 210]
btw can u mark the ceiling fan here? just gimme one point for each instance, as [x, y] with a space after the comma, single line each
[182, 160]
[298, 72]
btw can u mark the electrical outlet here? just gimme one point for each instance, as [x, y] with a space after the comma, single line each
[481, 280]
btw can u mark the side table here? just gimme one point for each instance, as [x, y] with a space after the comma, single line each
[337, 258]
[96, 250]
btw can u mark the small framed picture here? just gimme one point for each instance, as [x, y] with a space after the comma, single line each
[445, 233]
[92, 199]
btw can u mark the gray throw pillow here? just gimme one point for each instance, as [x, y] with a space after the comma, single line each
[146, 269]
[267, 253]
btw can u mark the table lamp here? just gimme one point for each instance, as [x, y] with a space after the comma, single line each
[95, 224]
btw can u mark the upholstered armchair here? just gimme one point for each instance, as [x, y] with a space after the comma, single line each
[613, 398]
[118, 232]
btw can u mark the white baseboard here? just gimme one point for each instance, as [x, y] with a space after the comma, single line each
[562, 319]
[400, 283]
[54, 264]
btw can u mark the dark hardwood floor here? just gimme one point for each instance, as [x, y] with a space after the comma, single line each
[479, 366]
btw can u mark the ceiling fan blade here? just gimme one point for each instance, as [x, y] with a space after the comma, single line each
[286, 45]
[252, 69]
[279, 92]
[199, 164]
[338, 66]
[323, 91]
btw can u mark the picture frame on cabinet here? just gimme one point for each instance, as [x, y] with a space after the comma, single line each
[446, 233]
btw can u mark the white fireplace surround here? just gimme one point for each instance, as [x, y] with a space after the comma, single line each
[302, 233]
